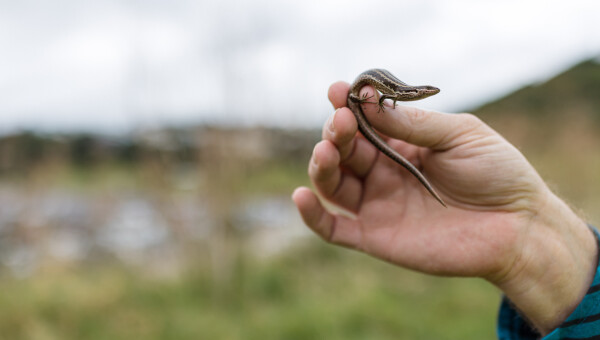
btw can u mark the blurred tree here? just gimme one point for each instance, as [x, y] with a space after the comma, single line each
[82, 150]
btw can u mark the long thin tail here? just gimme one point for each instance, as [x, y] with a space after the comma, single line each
[367, 130]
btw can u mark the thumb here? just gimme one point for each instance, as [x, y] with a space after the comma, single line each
[432, 129]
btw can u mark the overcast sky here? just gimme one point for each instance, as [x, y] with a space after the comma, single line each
[116, 65]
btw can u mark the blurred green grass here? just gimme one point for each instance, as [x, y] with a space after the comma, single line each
[311, 291]
[314, 291]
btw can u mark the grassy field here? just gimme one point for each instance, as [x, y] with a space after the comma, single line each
[311, 290]
[314, 291]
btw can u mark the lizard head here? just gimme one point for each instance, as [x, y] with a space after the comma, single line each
[418, 92]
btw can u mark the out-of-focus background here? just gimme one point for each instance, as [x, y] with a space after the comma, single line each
[148, 150]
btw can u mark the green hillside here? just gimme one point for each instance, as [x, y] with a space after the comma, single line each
[574, 91]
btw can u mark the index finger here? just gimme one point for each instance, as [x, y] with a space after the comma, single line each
[432, 129]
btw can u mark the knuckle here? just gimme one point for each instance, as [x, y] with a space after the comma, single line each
[469, 120]
[471, 125]
[420, 117]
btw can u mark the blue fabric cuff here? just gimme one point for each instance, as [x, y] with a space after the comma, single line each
[583, 323]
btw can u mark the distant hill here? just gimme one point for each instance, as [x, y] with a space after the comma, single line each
[564, 110]
[576, 90]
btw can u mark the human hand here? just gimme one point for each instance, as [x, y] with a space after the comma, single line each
[498, 206]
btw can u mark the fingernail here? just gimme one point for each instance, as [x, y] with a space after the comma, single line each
[294, 193]
[331, 125]
[313, 160]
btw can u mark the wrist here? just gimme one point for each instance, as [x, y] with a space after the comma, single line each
[554, 266]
